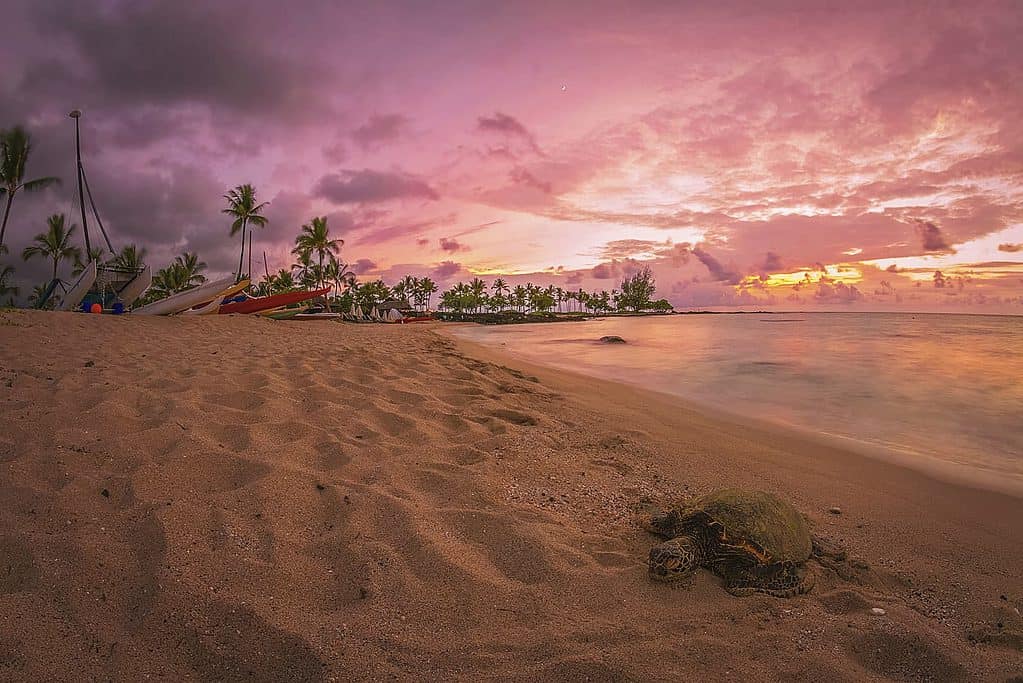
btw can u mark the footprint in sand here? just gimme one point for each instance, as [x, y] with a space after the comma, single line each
[905, 657]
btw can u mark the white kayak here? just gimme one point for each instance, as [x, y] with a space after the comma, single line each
[181, 301]
[74, 296]
[137, 287]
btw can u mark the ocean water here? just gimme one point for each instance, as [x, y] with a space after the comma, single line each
[936, 391]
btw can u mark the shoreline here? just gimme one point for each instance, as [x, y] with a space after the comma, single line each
[955, 473]
[237, 497]
[799, 438]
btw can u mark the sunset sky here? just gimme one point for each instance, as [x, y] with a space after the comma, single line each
[786, 154]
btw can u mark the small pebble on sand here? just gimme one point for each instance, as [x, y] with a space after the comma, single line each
[835, 510]
[877, 611]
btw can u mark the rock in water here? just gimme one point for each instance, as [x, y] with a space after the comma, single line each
[612, 339]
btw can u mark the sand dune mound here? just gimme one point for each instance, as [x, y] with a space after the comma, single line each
[245, 499]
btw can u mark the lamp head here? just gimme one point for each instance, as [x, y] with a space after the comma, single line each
[75, 114]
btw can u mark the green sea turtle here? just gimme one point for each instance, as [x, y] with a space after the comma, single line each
[754, 540]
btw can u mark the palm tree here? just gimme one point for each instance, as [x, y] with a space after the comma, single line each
[338, 274]
[40, 296]
[7, 290]
[519, 297]
[191, 269]
[283, 281]
[54, 244]
[15, 146]
[169, 280]
[315, 238]
[131, 259]
[428, 287]
[478, 289]
[82, 261]
[241, 204]
[303, 264]
[499, 286]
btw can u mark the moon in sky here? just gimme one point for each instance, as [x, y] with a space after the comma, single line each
[564, 88]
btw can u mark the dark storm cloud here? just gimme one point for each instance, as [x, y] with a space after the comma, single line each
[380, 128]
[349, 187]
[931, 237]
[137, 53]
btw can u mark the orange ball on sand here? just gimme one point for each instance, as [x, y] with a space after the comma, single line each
[96, 308]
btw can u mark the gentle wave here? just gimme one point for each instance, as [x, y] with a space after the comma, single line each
[946, 388]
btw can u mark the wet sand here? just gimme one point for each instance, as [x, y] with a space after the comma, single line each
[239, 498]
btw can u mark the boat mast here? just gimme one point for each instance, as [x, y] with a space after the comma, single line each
[76, 114]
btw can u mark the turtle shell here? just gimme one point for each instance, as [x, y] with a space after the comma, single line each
[760, 522]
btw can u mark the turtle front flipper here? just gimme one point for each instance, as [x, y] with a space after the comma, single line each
[665, 525]
[782, 580]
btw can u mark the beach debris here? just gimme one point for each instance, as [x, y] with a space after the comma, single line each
[320, 487]
[105, 493]
[835, 510]
[754, 540]
[611, 339]
[877, 611]
[90, 363]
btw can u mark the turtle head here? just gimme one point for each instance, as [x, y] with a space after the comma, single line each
[675, 559]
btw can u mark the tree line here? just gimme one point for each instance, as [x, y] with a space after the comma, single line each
[635, 294]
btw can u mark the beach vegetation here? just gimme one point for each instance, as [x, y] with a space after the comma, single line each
[6, 289]
[637, 291]
[54, 244]
[242, 206]
[185, 272]
[15, 148]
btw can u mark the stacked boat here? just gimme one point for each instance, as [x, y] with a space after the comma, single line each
[221, 296]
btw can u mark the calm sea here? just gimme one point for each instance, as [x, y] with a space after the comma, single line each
[941, 392]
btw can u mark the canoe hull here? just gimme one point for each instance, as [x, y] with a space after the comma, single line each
[78, 290]
[185, 300]
[274, 301]
[137, 287]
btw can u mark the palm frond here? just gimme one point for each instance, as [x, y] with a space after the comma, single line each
[40, 184]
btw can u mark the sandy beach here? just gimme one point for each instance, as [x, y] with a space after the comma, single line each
[232, 498]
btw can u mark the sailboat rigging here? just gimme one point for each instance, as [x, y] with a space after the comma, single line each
[106, 283]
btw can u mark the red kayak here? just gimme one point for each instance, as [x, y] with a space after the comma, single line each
[265, 303]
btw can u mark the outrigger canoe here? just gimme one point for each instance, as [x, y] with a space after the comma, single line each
[207, 306]
[264, 303]
[206, 309]
[282, 313]
[181, 301]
